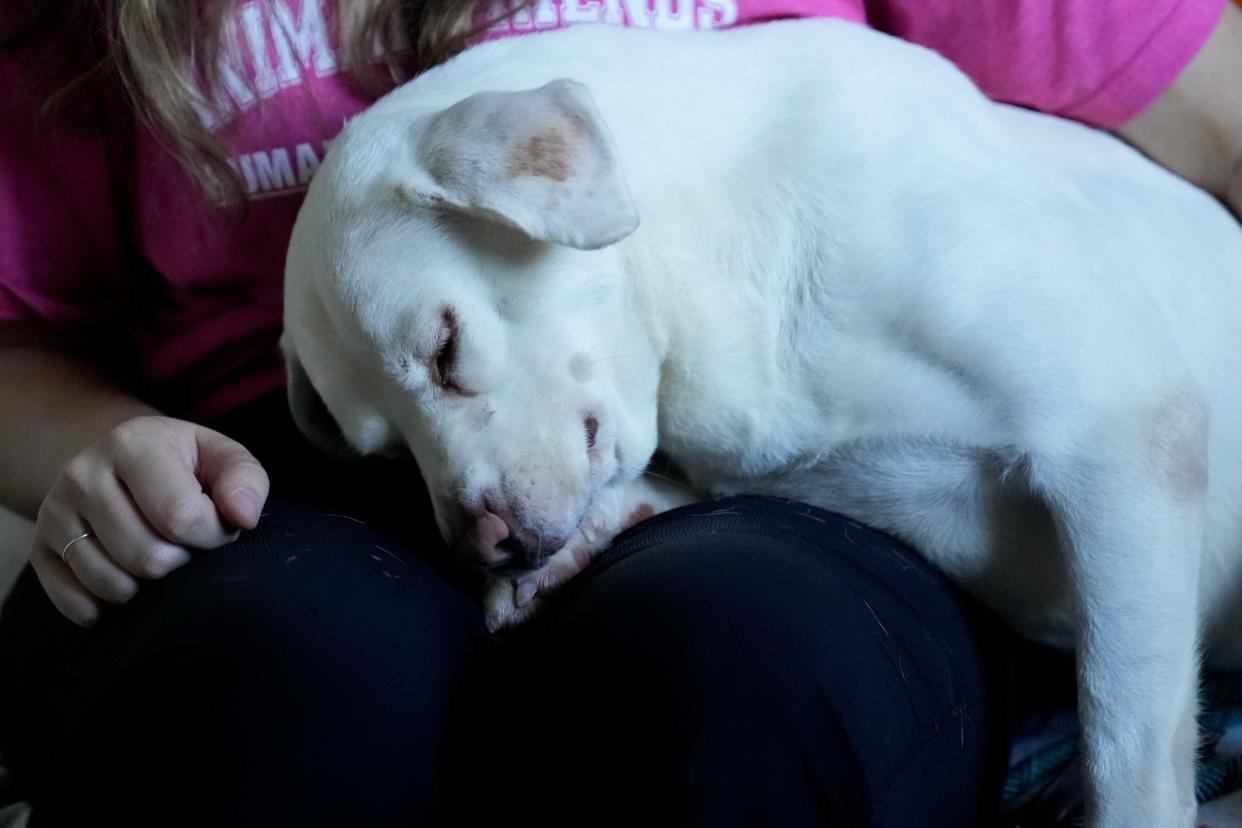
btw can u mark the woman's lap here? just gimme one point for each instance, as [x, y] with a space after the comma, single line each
[743, 662]
[760, 662]
[305, 659]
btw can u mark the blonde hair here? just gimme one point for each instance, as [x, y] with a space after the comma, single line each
[167, 58]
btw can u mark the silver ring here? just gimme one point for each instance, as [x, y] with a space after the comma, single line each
[64, 553]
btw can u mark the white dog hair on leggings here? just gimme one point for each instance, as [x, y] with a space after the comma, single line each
[808, 260]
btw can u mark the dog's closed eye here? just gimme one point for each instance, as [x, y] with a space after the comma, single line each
[444, 361]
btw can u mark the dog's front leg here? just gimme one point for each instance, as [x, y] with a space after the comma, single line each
[511, 599]
[1129, 501]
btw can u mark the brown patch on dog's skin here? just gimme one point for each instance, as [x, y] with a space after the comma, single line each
[545, 155]
[641, 513]
[559, 572]
[1177, 444]
[582, 558]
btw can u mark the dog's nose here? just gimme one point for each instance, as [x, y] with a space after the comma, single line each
[490, 541]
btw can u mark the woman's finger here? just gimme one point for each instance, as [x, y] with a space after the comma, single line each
[101, 575]
[124, 534]
[237, 482]
[158, 469]
[67, 594]
[63, 531]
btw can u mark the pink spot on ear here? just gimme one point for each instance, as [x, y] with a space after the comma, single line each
[545, 155]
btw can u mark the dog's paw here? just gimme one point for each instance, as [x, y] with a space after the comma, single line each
[509, 600]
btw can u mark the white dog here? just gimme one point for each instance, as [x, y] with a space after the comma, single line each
[1007, 339]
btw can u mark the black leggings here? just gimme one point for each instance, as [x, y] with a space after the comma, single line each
[741, 662]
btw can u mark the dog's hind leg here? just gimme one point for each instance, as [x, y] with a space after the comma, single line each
[1128, 495]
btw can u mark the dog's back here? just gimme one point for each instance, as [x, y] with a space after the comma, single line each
[862, 250]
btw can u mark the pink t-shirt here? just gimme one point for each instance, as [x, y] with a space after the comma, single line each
[199, 292]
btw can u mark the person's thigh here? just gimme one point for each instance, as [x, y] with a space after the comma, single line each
[748, 662]
[300, 676]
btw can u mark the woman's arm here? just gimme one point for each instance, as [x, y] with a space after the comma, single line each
[52, 405]
[1165, 75]
[1195, 127]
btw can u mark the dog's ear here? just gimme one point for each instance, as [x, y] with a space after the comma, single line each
[310, 414]
[538, 160]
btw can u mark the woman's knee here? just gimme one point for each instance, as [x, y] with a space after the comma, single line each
[311, 591]
[307, 670]
[753, 654]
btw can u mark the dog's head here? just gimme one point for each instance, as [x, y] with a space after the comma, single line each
[452, 289]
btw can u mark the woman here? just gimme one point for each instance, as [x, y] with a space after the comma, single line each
[753, 662]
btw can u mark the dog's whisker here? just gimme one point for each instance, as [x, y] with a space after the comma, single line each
[615, 356]
[601, 341]
[658, 476]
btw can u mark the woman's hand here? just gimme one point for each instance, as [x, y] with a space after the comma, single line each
[132, 505]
